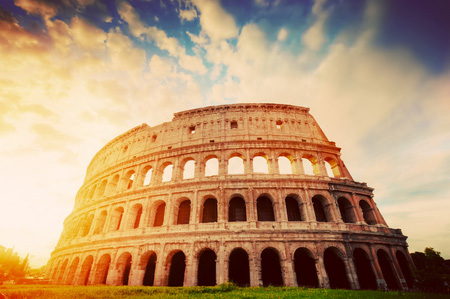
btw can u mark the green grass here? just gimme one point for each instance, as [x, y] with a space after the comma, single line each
[222, 291]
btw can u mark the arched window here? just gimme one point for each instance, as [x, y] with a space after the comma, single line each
[87, 225]
[238, 267]
[346, 209]
[236, 165]
[92, 192]
[285, 165]
[136, 213]
[148, 175]
[62, 270]
[71, 273]
[102, 269]
[236, 210]
[177, 268]
[189, 170]
[319, 211]
[332, 168]
[101, 188]
[184, 212]
[206, 275]
[85, 270]
[209, 210]
[386, 268]
[367, 211]
[112, 185]
[116, 218]
[335, 268]
[265, 209]
[100, 222]
[271, 268]
[167, 173]
[159, 215]
[310, 165]
[366, 278]
[212, 167]
[260, 164]
[305, 268]
[293, 209]
[128, 180]
[124, 267]
[150, 266]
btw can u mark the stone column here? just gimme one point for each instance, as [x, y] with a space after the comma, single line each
[358, 212]
[324, 282]
[351, 273]
[376, 266]
[221, 261]
[159, 268]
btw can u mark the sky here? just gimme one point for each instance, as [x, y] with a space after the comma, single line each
[74, 74]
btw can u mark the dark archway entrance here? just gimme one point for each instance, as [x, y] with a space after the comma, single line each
[271, 268]
[207, 268]
[209, 211]
[292, 209]
[318, 209]
[184, 212]
[236, 211]
[177, 267]
[386, 267]
[334, 265]
[406, 269]
[126, 271]
[102, 269]
[265, 209]
[366, 278]
[149, 275]
[346, 209]
[238, 267]
[305, 268]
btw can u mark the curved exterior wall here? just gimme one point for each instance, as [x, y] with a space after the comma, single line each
[128, 227]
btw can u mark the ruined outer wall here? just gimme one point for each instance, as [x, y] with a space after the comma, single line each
[115, 183]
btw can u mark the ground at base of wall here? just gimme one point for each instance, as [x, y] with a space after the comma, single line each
[222, 291]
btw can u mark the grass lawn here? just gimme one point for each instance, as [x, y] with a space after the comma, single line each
[222, 291]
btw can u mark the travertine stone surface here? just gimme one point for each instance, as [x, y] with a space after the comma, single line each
[133, 224]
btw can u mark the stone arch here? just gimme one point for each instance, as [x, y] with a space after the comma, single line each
[146, 174]
[62, 271]
[55, 270]
[335, 268]
[271, 272]
[209, 210]
[286, 164]
[112, 185]
[134, 216]
[167, 172]
[405, 266]
[184, 212]
[188, 168]
[116, 219]
[72, 269]
[293, 208]
[100, 223]
[148, 263]
[128, 180]
[261, 163]
[206, 274]
[321, 209]
[332, 167]
[239, 267]
[386, 266]
[236, 164]
[211, 166]
[177, 268]
[237, 209]
[368, 213]
[159, 209]
[87, 223]
[305, 268]
[364, 271]
[92, 192]
[310, 165]
[86, 267]
[102, 269]
[123, 266]
[346, 210]
[264, 205]
[101, 188]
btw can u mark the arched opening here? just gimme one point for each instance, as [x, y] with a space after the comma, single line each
[87, 225]
[305, 268]
[236, 165]
[62, 270]
[159, 215]
[319, 211]
[134, 217]
[184, 212]
[238, 267]
[137, 219]
[116, 219]
[55, 271]
[112, 185]
[209, 210]
[102, 269]
[167, 173]
[293, 209]
[236, 210]
[366, 277]
[212, 167]
[100, 222]
[207, 268]
[406, 268]
[85, 270]
[128, 180]
[271, 268]
[148, 171]
[177, 267]
[346, 209]
[189, 170]
[310, 165]
[101, 188]
[265, 209]
[71, 274]
[92, 192]
[332, 167]
[149, 276]
[285, 165]
[335, 268]
[124, 267]
[260, 164]
[386, 267]
[367, 212]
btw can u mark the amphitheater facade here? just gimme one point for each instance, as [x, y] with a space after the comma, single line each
[250, 193]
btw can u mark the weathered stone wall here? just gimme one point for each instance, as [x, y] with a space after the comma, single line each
[131, 222]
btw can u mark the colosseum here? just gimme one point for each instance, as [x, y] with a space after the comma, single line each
[250, 193]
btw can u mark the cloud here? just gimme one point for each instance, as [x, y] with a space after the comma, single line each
[314, 36]
[86, 35]
[188, 14]
[282, 34]
[46, 8]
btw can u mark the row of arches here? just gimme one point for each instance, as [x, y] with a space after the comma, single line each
[238, 209]
[237, 164]
[333, 269]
